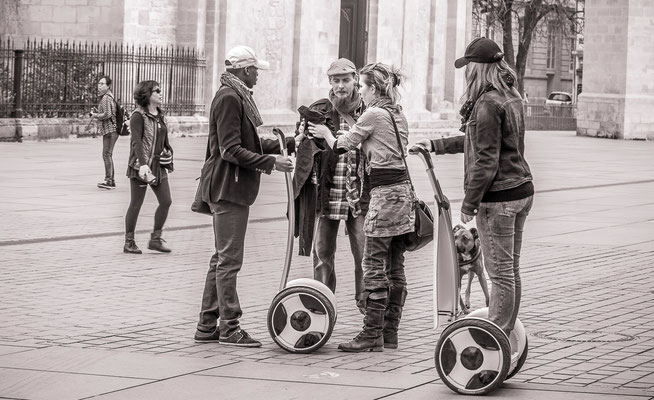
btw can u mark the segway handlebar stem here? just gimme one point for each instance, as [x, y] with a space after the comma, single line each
[441, 200]
[446, 276]
[290, 211]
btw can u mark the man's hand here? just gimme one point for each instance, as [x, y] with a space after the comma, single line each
[425, 143]
[283, 163]
[320, 131]
[465, 218]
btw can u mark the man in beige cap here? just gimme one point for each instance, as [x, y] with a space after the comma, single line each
[329, 190]
[235, 159]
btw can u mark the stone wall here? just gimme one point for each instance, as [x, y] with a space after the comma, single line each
[80, 20]
[43, 129]
[618, 91]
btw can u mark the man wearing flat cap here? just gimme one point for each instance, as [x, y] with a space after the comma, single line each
[328, 186]
[234, 161]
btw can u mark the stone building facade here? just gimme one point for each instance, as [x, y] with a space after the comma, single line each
[618, 96]
[300, 38]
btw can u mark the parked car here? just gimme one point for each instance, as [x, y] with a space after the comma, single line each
[559, 104]
[558, 98]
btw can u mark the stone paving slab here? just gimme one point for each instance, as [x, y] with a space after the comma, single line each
[203, 387]
[317, 374]
[40, 385]
[107, 363]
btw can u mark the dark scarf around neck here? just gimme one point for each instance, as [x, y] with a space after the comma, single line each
[243, 92]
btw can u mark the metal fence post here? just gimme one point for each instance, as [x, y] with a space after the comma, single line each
[18, 77]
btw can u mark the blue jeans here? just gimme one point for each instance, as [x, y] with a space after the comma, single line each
[324, 249]
[108, 143]
[500, 228]
[220, 299]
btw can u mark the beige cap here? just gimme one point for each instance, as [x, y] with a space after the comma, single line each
[244, 56]
[341, 66]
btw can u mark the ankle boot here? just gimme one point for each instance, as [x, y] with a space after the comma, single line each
[396, 299]
[157, 243]
[370, 338]
[130, 244]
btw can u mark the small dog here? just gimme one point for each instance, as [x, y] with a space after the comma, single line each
[468, 249]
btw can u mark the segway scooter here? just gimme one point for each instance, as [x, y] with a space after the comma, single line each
[302, 315]
[473, 355]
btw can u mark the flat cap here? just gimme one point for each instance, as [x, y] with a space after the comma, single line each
[341, 66]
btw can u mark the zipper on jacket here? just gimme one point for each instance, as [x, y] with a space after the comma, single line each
[236, 174]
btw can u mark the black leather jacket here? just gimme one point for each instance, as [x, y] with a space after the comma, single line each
[494, 146]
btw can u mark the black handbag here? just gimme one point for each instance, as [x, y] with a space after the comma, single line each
[424, 225]
[200, 206]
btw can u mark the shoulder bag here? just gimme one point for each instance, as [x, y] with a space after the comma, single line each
[424, 225]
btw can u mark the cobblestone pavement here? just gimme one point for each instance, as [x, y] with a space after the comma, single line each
[587, 270]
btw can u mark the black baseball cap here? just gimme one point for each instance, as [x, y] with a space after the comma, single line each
[481, 50]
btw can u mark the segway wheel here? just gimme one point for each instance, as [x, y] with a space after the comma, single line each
[301, 319]
[517, 341]
[472, 356]
[520, 362]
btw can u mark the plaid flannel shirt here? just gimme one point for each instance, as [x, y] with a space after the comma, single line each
[344, 195]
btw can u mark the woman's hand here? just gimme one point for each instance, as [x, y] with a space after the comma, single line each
[143, 171]
[465, 218]
[320, 131]
[424, 143]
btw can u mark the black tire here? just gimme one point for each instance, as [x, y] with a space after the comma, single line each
[309, 306]
[459, 368]
[521, 361]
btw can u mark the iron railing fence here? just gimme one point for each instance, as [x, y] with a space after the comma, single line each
[59, 79]
[6, 77]
[550, 117]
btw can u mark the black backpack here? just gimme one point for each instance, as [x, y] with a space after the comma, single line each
[122, 120]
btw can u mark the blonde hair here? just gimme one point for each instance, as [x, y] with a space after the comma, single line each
[481, 75]
[386, 78]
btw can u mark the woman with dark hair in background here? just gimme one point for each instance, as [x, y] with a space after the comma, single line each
[106, 116]
[150, 158]
[391, 210]
[497, 179]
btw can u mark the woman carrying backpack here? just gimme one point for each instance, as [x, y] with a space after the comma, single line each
[106, 116]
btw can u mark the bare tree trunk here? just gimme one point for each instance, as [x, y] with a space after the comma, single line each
[507, 33]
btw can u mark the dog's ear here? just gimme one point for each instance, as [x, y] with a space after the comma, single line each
[457, 227]
[474, 232]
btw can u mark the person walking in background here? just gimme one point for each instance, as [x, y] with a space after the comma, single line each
[337, 195]
[236, 159]
[391, 211]
[106, 116]
[150, 160]
[497, 179]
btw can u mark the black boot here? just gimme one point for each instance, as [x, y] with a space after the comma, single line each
[370, 338]
[157, 243]
[396, 299]
[130, 244]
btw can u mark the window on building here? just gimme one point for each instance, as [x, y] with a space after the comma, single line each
[551, 46]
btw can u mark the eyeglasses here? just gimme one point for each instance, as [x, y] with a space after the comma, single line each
[157, 90]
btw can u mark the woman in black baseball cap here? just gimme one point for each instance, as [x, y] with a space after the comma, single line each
[497, 180]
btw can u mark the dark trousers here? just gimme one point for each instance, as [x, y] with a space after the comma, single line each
[137, 190]
[220, 299]
[108, 144]
[383, 264]
[324, 250]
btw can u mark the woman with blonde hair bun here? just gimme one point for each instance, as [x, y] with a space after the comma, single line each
[391, 211]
